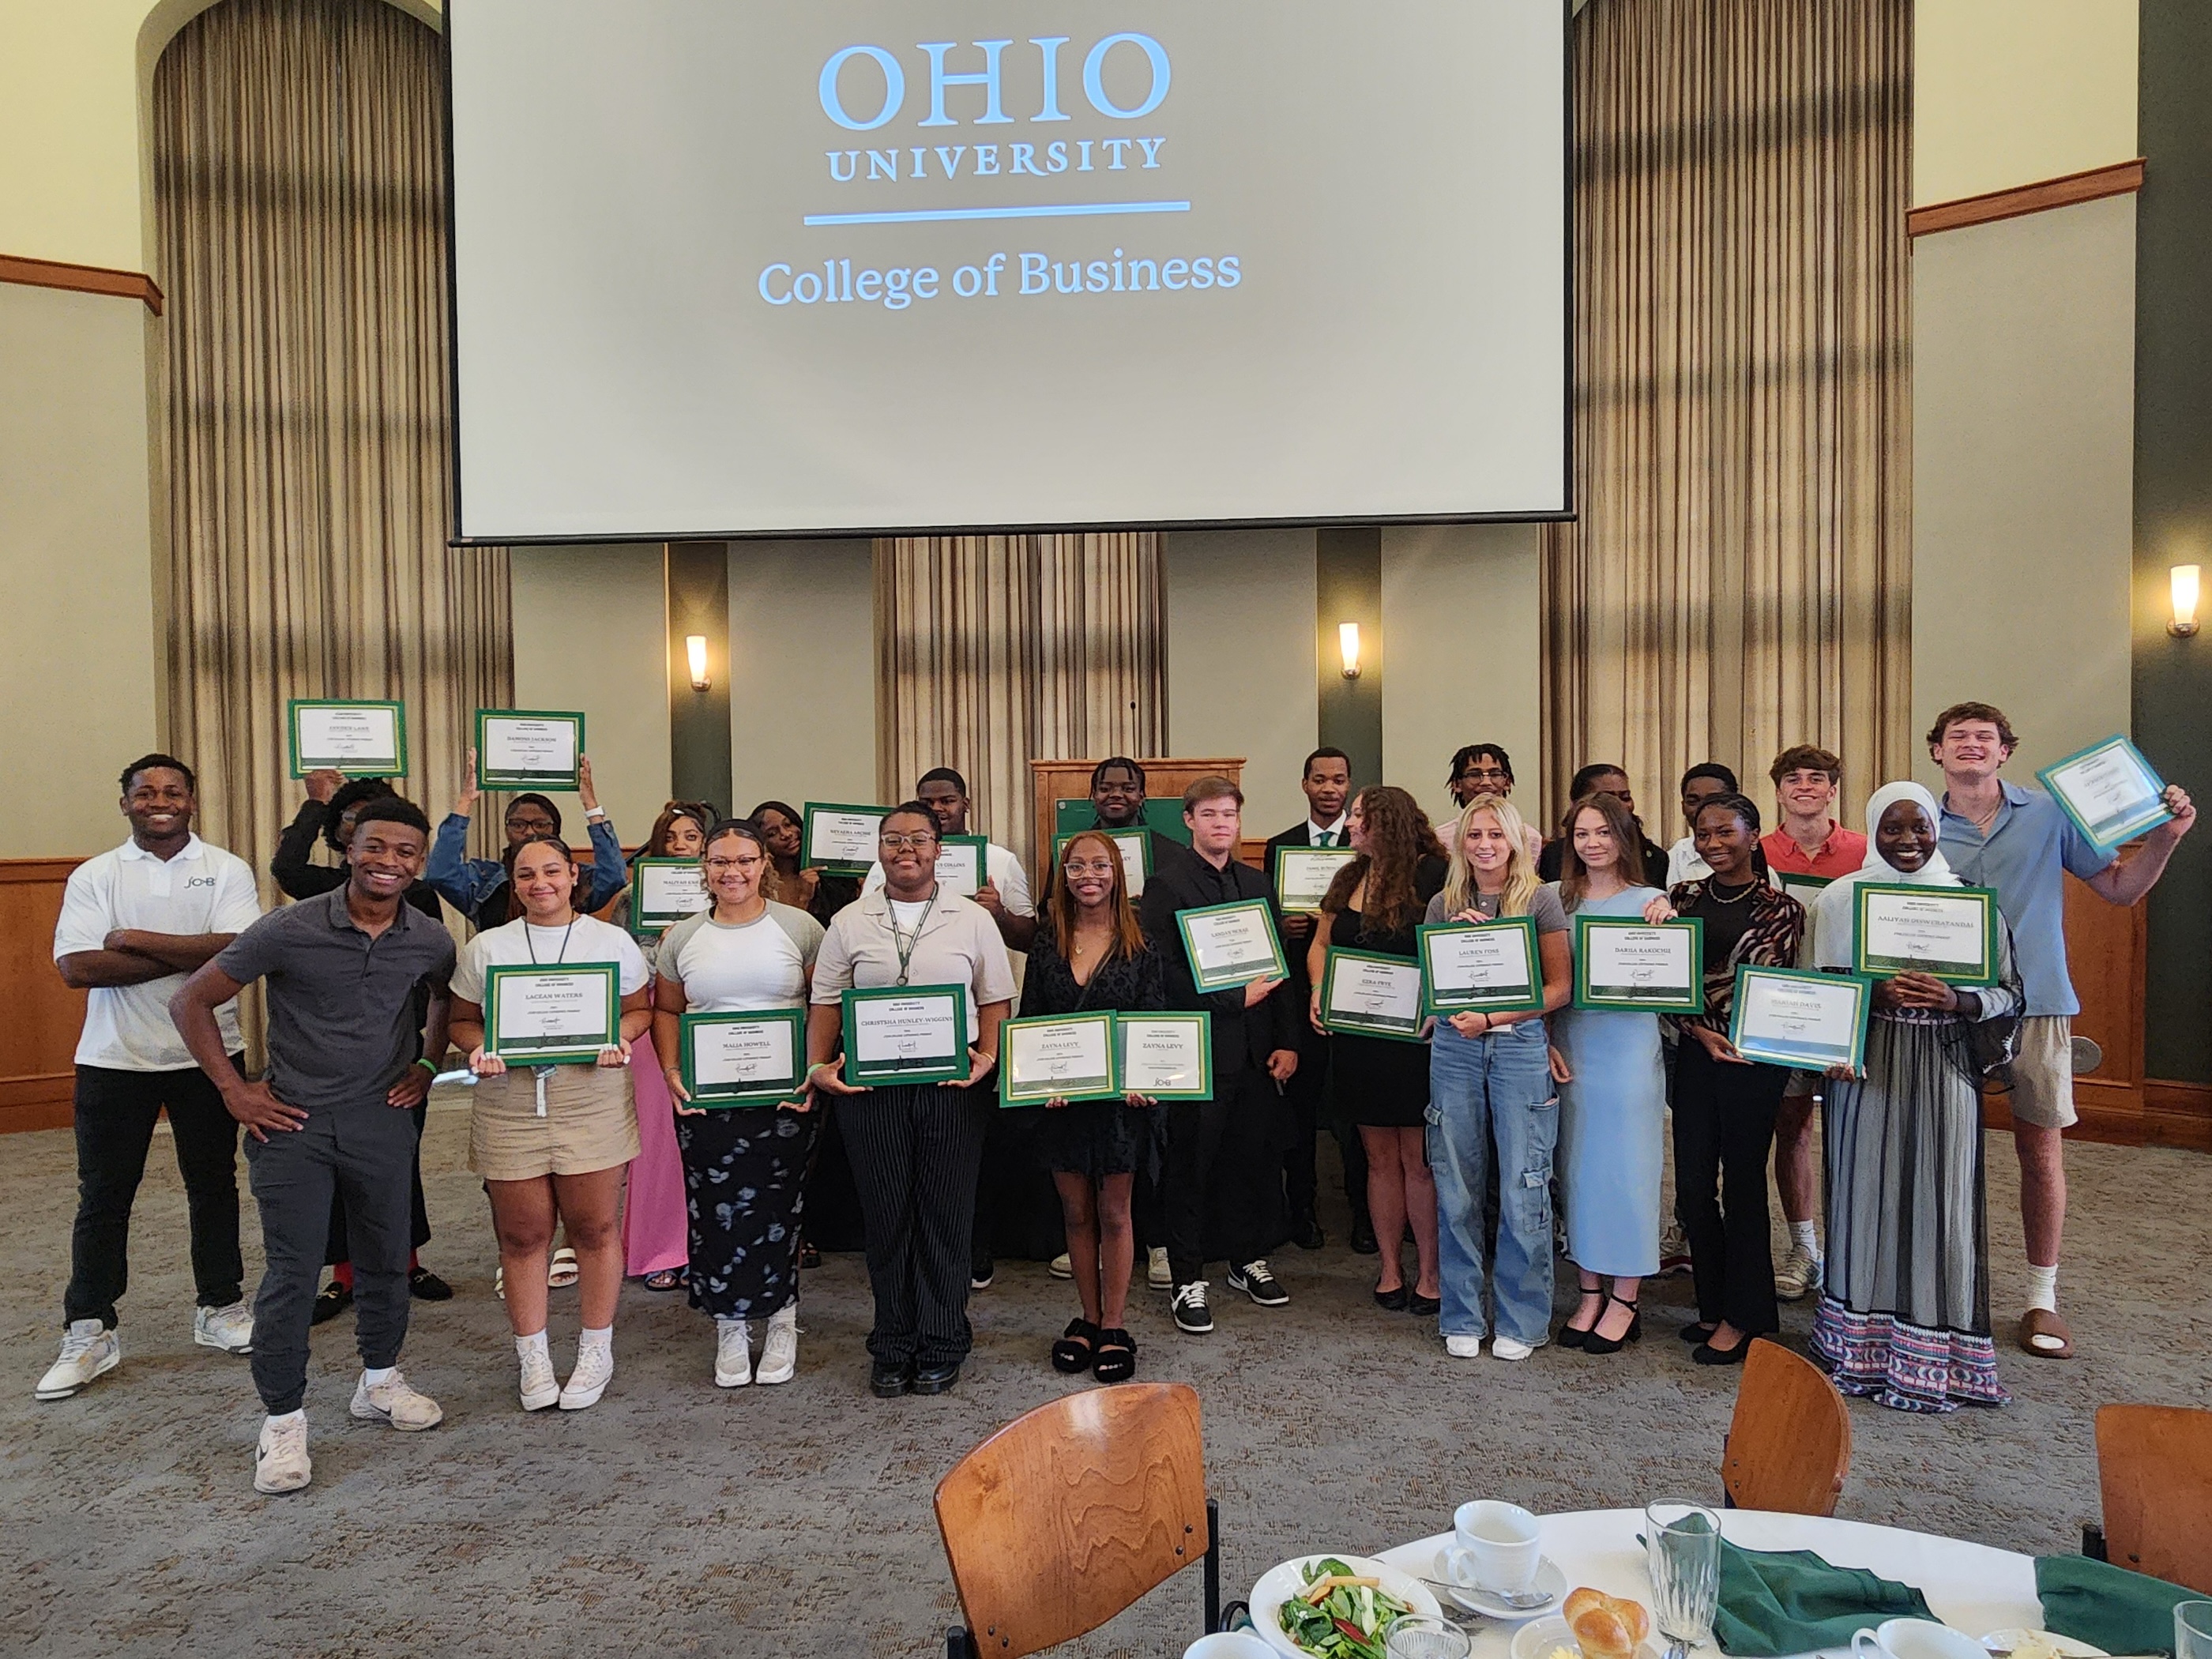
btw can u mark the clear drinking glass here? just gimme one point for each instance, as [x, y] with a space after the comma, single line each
[2192, 1630]
[1682, 1547]
[1416, 1636]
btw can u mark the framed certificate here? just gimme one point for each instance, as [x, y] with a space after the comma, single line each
[528, 749]
[900, 1033]
[1628, 965]
[1788, 1016]
[2109, 791]
[361, 739]
[1949, 931]
[1303, 875]
[1166, 1056]
[1231, 945]
[840, 839]
[756, 1058]
[552, 1013]
[1492, 966]
[1136, 847]
[962, 866]
[1371, 995]
[662, 892]
[1806, 890]
[1059, 1057]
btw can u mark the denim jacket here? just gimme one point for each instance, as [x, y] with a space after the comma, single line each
[465, 883]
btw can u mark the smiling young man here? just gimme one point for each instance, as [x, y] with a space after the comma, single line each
[347, 1063]
[2020, 842]
[1117, 802]
[134, 922]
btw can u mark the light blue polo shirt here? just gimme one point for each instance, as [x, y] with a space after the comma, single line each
[2023, 856]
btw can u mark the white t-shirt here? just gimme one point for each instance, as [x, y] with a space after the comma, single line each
[202, 889]
[1000, 867]
[521, 941]
[737, 967]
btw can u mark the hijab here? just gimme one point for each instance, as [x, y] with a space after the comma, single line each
[1834, 917]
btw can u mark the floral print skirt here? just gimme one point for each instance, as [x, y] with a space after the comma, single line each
[745, 1183]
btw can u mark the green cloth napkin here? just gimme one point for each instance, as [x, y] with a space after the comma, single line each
[1793, 1601]
[2105, 1606]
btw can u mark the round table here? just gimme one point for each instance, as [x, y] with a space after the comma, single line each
[1970, 1587]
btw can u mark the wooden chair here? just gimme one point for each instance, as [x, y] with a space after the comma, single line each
[1789, 1442]
[1072, 1512]
[2154, 1470]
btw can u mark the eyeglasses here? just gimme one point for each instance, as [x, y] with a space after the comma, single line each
[907, 843]
[1091, 866]
[532, 826]
[1481, 775]
[717, 866]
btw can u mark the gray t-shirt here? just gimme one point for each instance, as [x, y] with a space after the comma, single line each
[1551, 916]
[341, 1021]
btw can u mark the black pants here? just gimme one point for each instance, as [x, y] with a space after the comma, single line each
[1723, 1131]
[115, 1115]
[915, 1153]
[1222, 1163]
[363, 1150]
[1307, 1098]
[334, 1251]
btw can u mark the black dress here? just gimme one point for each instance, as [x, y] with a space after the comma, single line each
[1093, 1138]
[1380, 1082]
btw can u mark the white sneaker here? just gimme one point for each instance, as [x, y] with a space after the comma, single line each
[88, 1350]
[1674, 1250]
[540, 1388]
[1158, 1274]
[1463, 1347]
[595, 1369]
[733, 1359]
[1505, 1347]
[229, 1329]
[1798, 1273]
[393, 1401]
[1061, 1267]
[780, 1356]
[281, 1462]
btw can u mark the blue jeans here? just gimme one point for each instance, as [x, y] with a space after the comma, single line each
[1486, 1092]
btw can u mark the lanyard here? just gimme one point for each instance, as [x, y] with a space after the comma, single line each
[541, 1073]
[900, 941]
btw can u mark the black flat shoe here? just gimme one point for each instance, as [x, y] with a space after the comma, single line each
[1078, 1345]
[1363, 1238]
[331, 1301]
[1695, 1335]
[1426, 1306]
[1117, 1357]
[1391, 1301]
[890, 1382]
[1306, 1233]
[937, 1379]
[426, 1286]
[1705, 1354]
[1603, 1345]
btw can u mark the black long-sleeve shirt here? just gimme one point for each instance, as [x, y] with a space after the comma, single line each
[298, 876]
[1242, 1037]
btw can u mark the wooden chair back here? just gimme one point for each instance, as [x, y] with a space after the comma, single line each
[1073, 1511]
[2154, 1466]
[1789, 1444]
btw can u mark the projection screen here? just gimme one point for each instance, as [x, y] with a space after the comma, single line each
[772, 267]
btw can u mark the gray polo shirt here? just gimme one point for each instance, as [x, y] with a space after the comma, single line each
[342, 1018]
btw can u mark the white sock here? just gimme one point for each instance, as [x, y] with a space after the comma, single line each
[2042, 1287]
[1802, 1232]
[534, 1344]
[377, 1375]
[599, 1342]
[289, 1419]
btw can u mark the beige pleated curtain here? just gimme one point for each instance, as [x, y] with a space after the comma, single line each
[994, 650]
[1739, 578]
[300, 186]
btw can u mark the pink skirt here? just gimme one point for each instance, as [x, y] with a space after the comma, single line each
[656, 1226]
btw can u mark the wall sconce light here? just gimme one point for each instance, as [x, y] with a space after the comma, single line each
[695, 648]
[1347, 645]
[2183, 578]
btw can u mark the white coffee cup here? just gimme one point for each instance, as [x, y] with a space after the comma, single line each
[1915, 1638]
[1495, 1546]
[1229, 1644]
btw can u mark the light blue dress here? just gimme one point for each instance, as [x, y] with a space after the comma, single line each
[1612, 1119]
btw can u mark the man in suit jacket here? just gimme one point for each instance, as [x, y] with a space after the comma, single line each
[1224, 1154]
[1328, 784]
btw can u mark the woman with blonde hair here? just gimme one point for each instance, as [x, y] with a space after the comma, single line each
[1492, 1093]
[1381, 1084]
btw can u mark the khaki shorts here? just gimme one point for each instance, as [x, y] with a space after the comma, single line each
[2043, 1072]
[590, 1123]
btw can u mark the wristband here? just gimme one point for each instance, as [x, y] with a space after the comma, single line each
[426, 1066]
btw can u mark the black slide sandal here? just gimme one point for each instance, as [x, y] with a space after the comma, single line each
[1117, 1357]
[1077, 1344]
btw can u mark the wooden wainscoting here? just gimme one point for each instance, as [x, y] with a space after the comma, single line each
[37, 1041]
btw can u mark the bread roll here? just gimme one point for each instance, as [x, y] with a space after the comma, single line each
[1605, 1626]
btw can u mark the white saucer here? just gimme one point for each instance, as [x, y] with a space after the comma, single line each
[2005, 1640]
[1537, 1638]
[1549, 1582]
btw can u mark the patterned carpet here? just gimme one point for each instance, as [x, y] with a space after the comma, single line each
[677, 1518]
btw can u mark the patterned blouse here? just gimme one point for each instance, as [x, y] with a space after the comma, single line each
[1132, 985]
[1770, 940]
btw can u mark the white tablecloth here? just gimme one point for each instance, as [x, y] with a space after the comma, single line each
[1970, 1587]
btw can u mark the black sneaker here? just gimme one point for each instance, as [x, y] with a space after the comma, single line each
[1256, 1282]
[330, 1302]
[1191, 1315]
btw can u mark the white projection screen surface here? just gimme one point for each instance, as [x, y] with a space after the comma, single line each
[757, 267]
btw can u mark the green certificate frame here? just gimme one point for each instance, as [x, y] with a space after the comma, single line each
[1392, 1027]
[1040, 1081]
[917, 1068]
[1619, 998]
[1192, 1027]
[1956, 971]
[646, 919]
[1775, 1042]
[972, 850]
[364, 766]
[1136, 845]
[1333, 858]
[785, 1090]
[817, 852]
[1435, 936]
[570, 1044]
[1805, 889]
[489, 776]
[1210, 919]
[2096, 789]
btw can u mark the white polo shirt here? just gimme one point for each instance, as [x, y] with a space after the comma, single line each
[202, 889]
